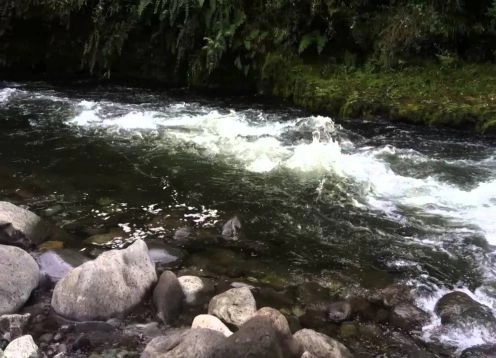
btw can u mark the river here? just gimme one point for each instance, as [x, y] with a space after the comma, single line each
[361, 203]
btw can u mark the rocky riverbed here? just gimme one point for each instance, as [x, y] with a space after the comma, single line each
[140, 300]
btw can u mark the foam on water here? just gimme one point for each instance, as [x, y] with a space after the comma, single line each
[5, 94]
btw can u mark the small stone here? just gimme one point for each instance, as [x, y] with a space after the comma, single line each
[235, 306]
[210, 322]
[407, 316]
[22, 347]
[14, 324]
[339, 311]
[58, 337]
[46, 338]
[167, 297]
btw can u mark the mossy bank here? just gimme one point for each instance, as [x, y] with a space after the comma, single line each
[462, 96]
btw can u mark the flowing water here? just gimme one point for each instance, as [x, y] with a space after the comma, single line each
[364, 203]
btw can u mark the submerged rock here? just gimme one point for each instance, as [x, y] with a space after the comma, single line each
[164, 255]
[231, 228]
[320, 345]
[55, 264]
[12, 326]
[22, 347]
[19, 276]
[459, 308]
[191, 343]
[21, 227]
[168, 297]
[211, 322]
[235, 306]
[482, 351]
[339, 311]
[112, 284]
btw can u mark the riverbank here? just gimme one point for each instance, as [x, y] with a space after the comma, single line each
[460, 97]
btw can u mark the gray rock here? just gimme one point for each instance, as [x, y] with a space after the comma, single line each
[339, 311]
[19, 276]
[279, 321]
[394, 295]
[162, 254]
[195, 289]
[13, 325]
[408, 316]
[482, 351]
[231, 228]
[199, 343]
[22, 347]
[320, 345]
[459, 308]
[210, 322]
[112, 284]
[235, 306]
[21, 227]
[55, 264]
[168, 297]
[257, 338]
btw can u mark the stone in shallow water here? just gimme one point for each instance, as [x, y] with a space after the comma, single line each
[22, 347]
[19, 276]
[162, 254]
[482, 351]
[21, 227]
[55, 264]
[112, 284]
[235, 306]
[407, 316]
[459, 308]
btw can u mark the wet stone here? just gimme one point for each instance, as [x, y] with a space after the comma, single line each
[55, 264]
[482, 351]
[459, 308]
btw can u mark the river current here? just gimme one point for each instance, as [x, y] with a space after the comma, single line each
[366, 203]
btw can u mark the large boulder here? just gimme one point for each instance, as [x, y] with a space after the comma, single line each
[112, 284]
[168, 297]
[257, 338]
[19, 276]
[458, 308]
[279, 321]
[235, 306]
[210, 322]
[21, 227]
[22, 347]
[320, 345]
[199, 343]
[55, 264]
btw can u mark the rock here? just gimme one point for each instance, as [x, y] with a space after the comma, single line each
[13, 325]
[279, 321]
[55, 264]
[195, 289]
[21, 227]
[320, 345]
[168, 297]
[459, 308]
[22, 347]
[482, 351]
[407, 316]
[210, 322]
[112, 284]
[45, 338]
[191, 343]
[231, 228]
[235, 306]
[394, 295]
[257, 338]
[161, 254]
[339, 311]
[19, 276]
[51, 245]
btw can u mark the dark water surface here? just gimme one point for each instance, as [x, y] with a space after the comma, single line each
[356, 205]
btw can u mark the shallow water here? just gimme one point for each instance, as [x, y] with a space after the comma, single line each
[365, 203]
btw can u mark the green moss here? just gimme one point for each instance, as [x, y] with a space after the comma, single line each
[462, 97]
